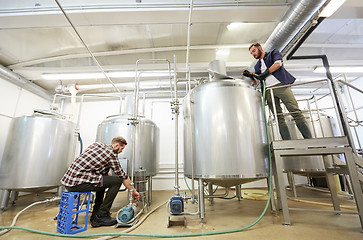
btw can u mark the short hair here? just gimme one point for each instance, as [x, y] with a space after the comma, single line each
[120, 140]
[255, 44]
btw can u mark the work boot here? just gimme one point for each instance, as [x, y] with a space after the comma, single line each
[103, 221]
[303, 128]
[94, 211]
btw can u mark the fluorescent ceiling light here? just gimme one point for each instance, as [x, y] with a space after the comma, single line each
[356, 69]
[97, 75]
[143, 84]
[234, 25]
[332, 6]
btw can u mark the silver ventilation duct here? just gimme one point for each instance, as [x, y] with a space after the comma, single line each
[295, 18]
[18, 80]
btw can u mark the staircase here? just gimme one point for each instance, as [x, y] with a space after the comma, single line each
[329, 148]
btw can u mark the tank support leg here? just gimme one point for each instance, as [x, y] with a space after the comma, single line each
[280, 188]
[291, 179]
[201, 200]
[14, 196]
[210, 191]
[272, 202]
[149, 191]
[59, 191]
[330, 181]
[4, 199]
[238, 192]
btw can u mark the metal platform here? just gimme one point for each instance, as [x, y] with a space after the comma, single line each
[326, 147]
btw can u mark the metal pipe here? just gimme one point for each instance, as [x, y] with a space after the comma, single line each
[20, 81]
[81, 104]
[136, 108]
[311, 118]
[187, 67]
[318, 112]
[219, 196]
[345, 120]
[355, 113]
[336, 102]
[85, 45]
[4, 115]
[350, 85]
[337, 111]
[121, 100]
[60, 110]
[55, 96]
[201, 199]
[299, 84]
[143, 104]
[292, 23]
[175, 102]
[175, 79]
[137, 80]
[306, 35]
[274, 110]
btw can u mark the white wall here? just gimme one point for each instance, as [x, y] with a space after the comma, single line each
[15, 102]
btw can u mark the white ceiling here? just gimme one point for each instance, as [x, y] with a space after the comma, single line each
[36, 38]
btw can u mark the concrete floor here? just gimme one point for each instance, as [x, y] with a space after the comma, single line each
[221, 215]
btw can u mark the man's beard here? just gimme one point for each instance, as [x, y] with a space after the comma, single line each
[116, 150]
[259, 54]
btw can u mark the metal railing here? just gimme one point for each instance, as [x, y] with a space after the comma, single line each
[346, 102]
[313, 105]
[350, 111]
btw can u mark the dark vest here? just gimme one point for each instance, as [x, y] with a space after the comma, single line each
[280, 74]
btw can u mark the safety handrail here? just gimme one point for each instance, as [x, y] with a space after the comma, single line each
[339, 83]
[328, 82]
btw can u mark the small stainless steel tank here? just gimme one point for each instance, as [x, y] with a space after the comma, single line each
[38, 151]
[147, 140]
[320, 125]
[225, 139]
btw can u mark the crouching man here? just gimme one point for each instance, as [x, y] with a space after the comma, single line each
[89, 172]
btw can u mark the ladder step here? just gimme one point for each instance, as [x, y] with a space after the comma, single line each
[339, 170]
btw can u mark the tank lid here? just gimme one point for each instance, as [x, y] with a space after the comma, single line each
[126, 116]
[48, 113]
[217, 71]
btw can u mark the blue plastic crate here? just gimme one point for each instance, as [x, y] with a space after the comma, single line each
[69, 209]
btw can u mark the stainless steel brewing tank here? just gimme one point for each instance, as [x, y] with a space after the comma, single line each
[147, 140]
[324, 127]
[38, 151]
[225, 139]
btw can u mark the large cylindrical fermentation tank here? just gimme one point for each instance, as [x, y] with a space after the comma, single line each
[225, 139]
[38, 151]
[146, 139]
[320, 125]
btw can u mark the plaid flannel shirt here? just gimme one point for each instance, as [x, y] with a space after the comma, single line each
[89, 167]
